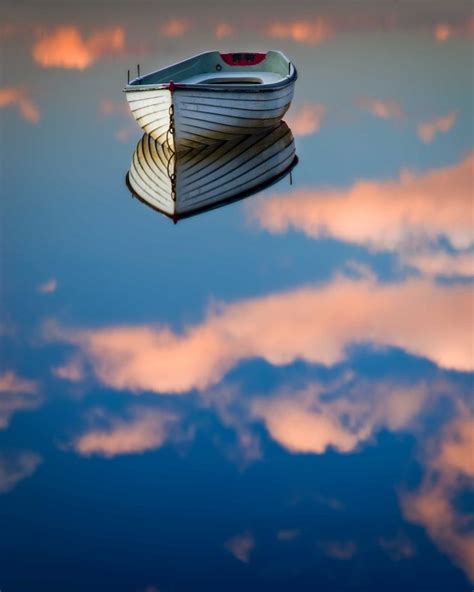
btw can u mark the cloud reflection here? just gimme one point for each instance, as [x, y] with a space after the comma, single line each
[408, 215]
[241, 546]
[16, 466]
[384, 109]
[312, 421]
[310, 32]
[307, 119]
[224, 30]
[16, 394]
[18, 96]
[48, 287]
[65, 47]
[312, 323]
[398, 548]
[427, 130]
[143, 429]
[449, 471]
[342, 550]
[175, 27]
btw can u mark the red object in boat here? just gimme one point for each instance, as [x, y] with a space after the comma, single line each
[243, 59]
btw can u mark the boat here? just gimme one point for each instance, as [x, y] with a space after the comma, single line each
[212, 97]
[183, 184]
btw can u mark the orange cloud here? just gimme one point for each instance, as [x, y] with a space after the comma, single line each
[307, 119]
[450, 469]
[406, 215]
[443, 32]
[144, 429]
[16, 466]
[241, 546]
[16, 394]
[384, 109]
[64, 47]
[224, 30]
[48, 287]
[427, 130]
[175, 27]
[312, 323]
[302, 31]
[15, 95]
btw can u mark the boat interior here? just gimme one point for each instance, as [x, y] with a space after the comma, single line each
[217, 68]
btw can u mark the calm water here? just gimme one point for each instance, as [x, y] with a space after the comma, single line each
[275, 395]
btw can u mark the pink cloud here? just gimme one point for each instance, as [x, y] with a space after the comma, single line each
[11, 383]
[307, 421]
[16, 466]
[65, 47]
[406, 215]
[224, 30]
[312, 323]
[72, 370]
[16, 394]
[442, 32]
[384, 109]
[48, 287]
[175, 27]
[241, 546]
[307, 119]
[427, 130]
[18, 96]
[440, 263]
[144, 429]
[310, 32]
[449, 470]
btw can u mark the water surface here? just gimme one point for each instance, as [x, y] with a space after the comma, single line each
[275, 395]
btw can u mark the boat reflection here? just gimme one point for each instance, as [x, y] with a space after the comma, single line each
[184, 184]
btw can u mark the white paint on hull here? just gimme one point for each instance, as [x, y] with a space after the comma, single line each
[209, 175]
[204, 117]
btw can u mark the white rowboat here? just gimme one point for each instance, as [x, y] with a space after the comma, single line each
[213, 97]
[187, 183]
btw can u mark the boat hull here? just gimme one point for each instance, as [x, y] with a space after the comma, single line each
[184, 184]
[191, 118]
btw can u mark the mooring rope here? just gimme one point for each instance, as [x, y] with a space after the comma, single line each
[171, 148]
